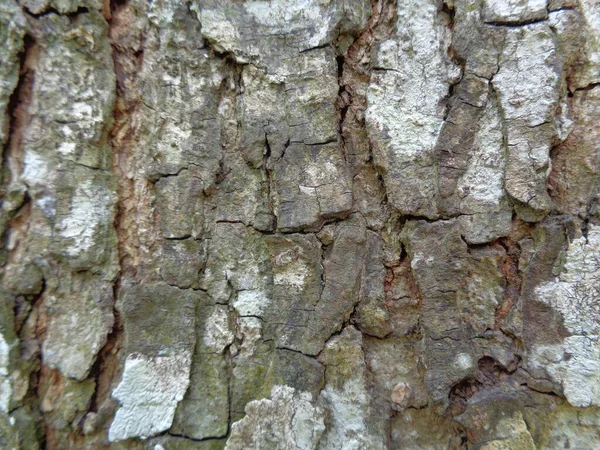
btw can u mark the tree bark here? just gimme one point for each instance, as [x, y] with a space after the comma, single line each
[300, 224]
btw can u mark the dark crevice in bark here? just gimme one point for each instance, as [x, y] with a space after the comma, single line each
[531, 388]
[312, 144]
[490, 372]
[187, 438]
[413, 218]
[512, 274]
[17, 112]
[292, 350]
[106, 362]
[557, 174]
[28, 317]
[50, 10]
[127, 62]
[225, 55]
[106, 366]
[155, 177]
[268, 171]
[589, 87]
[343, 104]
[353, 75]
[448, 14]
[228, 355]
[515, 24]
[450, 97]
[449, 11]
[318, 47]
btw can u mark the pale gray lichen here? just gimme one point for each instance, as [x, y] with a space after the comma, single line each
[314, 224]
[574, 294]
[149, 392]
[288, 419]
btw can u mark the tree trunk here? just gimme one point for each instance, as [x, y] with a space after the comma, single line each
[300, 224]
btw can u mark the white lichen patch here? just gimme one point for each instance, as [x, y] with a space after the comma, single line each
[482, 185]
[217, 333]
[410, 112]
[528, 87]
[527, 79]
[67, 148]
[575, 294]
[4, 355]
[91, 208]
[480, 190]
[35, 169]
[464, 361]
[285, 16]
[286, 420]
[405, 112]
[306, 23]
[293, 276]
[216, 27]
[510, 11]
[420, 260]
[576, 365]
[290, 268]
[251, 302]
[5, 384]
[347, 396]
[5, 394]
[148, 394]
[348, 428]
[38, 176]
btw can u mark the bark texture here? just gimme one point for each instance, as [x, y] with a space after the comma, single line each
[300, 224]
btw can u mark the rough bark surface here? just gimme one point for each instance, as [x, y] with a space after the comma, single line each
[300, 224]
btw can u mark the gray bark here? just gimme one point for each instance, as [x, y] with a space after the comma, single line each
[300, 224]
